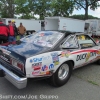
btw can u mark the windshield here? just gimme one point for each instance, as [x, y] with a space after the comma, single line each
[44, 38]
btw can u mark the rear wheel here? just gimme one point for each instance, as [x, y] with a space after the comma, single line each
[98, 62]
[62, 75]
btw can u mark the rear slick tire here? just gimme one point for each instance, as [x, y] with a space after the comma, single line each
[62, 75]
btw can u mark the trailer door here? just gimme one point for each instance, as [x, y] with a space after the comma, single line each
[51, 24]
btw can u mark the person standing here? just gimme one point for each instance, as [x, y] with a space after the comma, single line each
[4, 32]
[11, 37]
[21, 30]
[15, 28]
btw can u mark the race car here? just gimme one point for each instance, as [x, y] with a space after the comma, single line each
[50, 55]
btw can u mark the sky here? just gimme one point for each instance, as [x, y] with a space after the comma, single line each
[95, 13]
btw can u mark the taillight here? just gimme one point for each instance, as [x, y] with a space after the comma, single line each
[17, 64]
[21, 66]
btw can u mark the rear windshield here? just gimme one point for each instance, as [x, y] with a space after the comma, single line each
[47, 38]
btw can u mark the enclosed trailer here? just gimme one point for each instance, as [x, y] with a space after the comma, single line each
[62, 23]
[94, 26]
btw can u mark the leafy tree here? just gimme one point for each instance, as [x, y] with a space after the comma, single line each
[62, 7]
[24, 8]
[42, 8]
[85, 4]
[7, 8]
[81, 17]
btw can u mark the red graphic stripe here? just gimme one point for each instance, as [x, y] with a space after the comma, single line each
[84, 51]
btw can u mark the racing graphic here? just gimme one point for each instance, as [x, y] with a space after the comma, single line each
[55, 58]
[87, 56]
[65, 54]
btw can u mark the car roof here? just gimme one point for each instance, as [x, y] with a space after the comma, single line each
[67, 32]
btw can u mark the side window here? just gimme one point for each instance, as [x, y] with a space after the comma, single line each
[70, 42]
[85, 41]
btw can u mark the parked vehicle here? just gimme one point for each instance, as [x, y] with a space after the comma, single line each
[31, 25]
[47, 54]
[93, 27]
[62, 23]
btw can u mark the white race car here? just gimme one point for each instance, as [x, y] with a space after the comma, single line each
[47, 54]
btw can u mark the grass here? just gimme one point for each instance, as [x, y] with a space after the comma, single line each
[92, 82]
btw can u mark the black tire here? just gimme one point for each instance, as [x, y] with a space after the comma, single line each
[98, 62]
[56, 80]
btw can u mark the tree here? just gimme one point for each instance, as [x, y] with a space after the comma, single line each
[24, 8]
[81, 17]
[7, 8]
[42, 8]
[85, 4]
[62, 7]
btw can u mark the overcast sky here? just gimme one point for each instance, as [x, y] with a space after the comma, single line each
[95, 13]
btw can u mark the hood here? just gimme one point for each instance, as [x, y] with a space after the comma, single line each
[26, 49]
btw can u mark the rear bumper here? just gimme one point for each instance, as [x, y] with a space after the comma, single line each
[13, 78]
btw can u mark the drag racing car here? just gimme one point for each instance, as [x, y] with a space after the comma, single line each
[48, 54]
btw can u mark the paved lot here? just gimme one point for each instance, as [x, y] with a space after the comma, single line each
[89, 73]
[77, 88]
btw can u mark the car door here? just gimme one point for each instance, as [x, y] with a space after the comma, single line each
[88, 49]
[71, 46]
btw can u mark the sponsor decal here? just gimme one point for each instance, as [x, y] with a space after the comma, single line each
[88, 56]
[6, 51]
[44, 68]
[36, 60]
[51, 66]
[39, 59]
[85, 56]
[65, 54]
[45, 73]
[98, 52]
[55, 58]
[42, 73]
[36, 73]
[42, 34]
[36, 67]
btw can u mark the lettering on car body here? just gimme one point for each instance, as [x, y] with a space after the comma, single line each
[40, 59]
[85, 56]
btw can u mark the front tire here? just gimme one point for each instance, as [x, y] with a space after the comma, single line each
[62, 75]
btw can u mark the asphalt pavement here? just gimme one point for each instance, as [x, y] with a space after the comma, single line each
[77, 88]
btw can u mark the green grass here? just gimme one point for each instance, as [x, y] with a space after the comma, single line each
[92, 82]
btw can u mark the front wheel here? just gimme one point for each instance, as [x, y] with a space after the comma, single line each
[62, 75]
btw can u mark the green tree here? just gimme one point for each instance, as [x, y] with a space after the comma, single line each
[7, 8]
[42, 8]
[85, 4]
[24, 8]
[81, 17]
[62, 7]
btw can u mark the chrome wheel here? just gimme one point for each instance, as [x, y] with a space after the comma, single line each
[63, 72]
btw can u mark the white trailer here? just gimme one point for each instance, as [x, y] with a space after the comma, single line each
[62, 23]
[93, 26]
[31, 25]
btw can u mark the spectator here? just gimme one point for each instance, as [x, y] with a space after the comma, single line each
[11, 37]
[21, 30]
[15, 28]
[4, 32]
